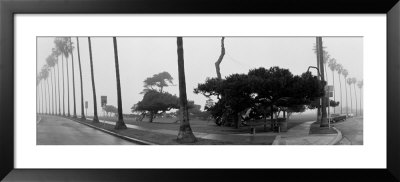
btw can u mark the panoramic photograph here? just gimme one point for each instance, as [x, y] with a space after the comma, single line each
[199, 90]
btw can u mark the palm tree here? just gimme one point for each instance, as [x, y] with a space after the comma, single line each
[50, 60]
[120, 124]
[360, 85]
[68, 49]
[45, 75]
[80, 72]
[185, 134]
[350, 81]
[42, 91]
[320, 49]
[53, 85]
[38, 101]
[73, 76]
[326, 58]
[95, 117]
[339, 69]
[56, 54]
[345, 73]
[332, 65]
[354, 81]
[60, 47]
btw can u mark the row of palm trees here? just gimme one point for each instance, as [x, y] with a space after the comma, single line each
[64, 48]
[334, 66]
[48, 83]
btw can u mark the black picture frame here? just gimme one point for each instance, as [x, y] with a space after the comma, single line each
[9, 8]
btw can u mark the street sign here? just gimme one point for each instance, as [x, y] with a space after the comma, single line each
[329, 89]
[86, 104]
[103, 101]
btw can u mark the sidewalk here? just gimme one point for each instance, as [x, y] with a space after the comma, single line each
[298, 135]
[261, 139]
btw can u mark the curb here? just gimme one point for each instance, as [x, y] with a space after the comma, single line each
[142, 142]
[339, 137]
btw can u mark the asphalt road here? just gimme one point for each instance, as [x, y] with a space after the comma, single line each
[52, 130]
[352, 131]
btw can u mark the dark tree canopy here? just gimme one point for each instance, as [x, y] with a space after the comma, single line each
[155, 102]
[316, 104]
[160, 80]
[265, 91]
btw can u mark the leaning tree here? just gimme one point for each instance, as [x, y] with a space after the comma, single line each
[95, 116]
[120, 124]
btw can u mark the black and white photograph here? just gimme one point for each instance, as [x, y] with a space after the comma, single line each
[199, 90]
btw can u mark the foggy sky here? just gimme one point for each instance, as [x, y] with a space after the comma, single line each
[142, 57]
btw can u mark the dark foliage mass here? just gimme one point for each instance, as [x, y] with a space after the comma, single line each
[260, 93]
[155, 102]
[160, 80]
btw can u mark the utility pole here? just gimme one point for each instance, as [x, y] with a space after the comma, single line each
[324, 121]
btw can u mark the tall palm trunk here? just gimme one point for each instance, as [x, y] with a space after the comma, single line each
[326, 71]
[80, 73]
[351, 101]
[120, 124]
[334, 92]
[319, 65]
[43, 98]
[58, 85]
[360, 102]
[73, 82]
[347, 104]
[48, 96]
[66, 60]
[38, 98]
[355, 95]
[95, 117]
[62, 58]
[341, 103]
[52, 95]
[324, 120]
[185, 134]
[55, 89]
